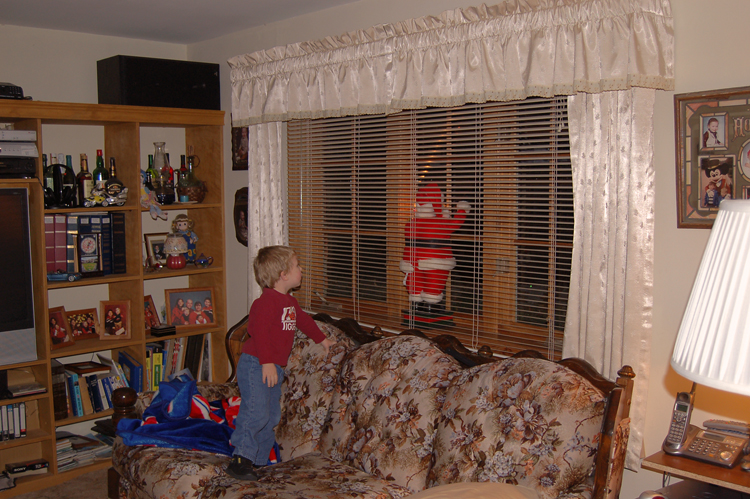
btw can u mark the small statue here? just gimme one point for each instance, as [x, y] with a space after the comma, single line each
[183, 226]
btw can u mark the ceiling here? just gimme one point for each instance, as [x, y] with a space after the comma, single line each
[173, 21]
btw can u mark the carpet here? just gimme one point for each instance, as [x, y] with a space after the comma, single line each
[91, 485]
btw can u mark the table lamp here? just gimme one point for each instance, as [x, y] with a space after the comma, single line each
[713, 343]
[175, 246]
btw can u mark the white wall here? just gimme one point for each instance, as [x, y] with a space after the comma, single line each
[61, 66]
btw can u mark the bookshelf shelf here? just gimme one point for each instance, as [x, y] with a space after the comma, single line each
[122, 127]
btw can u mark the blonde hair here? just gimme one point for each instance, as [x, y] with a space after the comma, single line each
[270, 263]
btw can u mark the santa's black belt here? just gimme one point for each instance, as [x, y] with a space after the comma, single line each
[426, 243]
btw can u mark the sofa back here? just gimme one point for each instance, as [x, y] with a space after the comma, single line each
[383, 411]
[310, 378]
[523, 421]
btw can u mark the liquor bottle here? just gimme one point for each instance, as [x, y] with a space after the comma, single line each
[69, 182]
[113, 185]
[100, 173]
[85, 180]
[49, 181]
[152, 172]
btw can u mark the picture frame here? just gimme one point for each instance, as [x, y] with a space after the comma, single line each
[150, 313]
[84, 323]
[712, 131]
[89, 250]
[59, 329]
[240, 148]
[155, 247]
[240, 215]
[116, 320]
[179, 300]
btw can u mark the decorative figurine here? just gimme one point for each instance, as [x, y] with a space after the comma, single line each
[183, 226]
[101, 197]
[428, 257]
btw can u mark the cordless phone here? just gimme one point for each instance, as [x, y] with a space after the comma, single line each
[678, 427]
[718, 447]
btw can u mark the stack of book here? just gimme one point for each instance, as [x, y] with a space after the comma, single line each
[166, 357]
[77, 450]
[27, 468]
[64, 232]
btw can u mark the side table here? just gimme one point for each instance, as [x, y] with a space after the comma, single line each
[682, 467]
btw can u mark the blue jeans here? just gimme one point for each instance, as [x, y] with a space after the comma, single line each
[260, 411]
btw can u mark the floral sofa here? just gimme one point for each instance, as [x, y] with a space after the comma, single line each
[392, 416]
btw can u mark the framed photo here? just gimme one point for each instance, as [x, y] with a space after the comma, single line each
[239, 147]
[84, 323]
[190, 307]
[240, 215]
[712, 152]
[155, 247]
[116, 323]
[59, 330]
[149, 311]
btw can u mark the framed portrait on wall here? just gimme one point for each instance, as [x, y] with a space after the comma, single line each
[712, 132]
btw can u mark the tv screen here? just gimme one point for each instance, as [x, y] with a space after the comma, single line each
[17, 333]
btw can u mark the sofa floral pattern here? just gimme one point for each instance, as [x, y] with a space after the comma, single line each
[393, 417]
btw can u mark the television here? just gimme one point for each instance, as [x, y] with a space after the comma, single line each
[17, 328]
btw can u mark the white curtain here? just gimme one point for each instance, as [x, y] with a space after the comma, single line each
[609, 316]
[508, 51]
[266, 200]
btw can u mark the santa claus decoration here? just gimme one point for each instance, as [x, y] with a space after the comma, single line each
[428, 257]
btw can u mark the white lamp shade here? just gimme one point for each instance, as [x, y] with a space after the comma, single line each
[713, 344]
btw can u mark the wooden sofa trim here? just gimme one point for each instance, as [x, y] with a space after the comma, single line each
[619, 393]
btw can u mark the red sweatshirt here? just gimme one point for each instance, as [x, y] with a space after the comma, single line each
[273, 319]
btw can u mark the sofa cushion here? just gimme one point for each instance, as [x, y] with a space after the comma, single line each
[150, 472]
[384, 408]
[522, 421]
[309, 381]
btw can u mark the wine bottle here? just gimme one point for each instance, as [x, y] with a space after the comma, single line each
[100, 173]
[85, 180]
[69, 182]
[113, 185]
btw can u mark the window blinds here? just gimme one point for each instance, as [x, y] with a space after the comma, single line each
[371, 197]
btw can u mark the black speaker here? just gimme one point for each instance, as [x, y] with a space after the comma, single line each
[144, 81]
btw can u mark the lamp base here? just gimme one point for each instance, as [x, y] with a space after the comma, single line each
[176, 262]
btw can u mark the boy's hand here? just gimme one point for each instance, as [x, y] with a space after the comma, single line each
[327, 344]
[270, 375]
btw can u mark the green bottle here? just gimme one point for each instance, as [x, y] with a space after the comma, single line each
[100, 173]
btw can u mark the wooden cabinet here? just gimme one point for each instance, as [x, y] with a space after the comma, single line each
[122, 131]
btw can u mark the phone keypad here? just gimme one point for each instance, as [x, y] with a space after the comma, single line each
[724, 452]
[677, 428]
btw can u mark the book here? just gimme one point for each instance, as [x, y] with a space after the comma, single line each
[49, 242]
[58, 390]
[103, 223]
[133, 370]
[88, 405]
[115, 368]
[119, 255]
[193, 355]
[93, 386]
[75, 393]
[106, 382]
[102, 392]
[72, 243]
[61, 233]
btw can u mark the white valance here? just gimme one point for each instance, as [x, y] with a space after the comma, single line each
[508, 51]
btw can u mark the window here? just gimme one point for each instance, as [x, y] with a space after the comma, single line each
[354, 183]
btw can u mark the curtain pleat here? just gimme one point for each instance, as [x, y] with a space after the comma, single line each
[608, 321]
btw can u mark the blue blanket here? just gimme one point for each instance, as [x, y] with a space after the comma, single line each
[171, 408]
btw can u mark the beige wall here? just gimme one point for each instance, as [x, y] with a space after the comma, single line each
[61, 66]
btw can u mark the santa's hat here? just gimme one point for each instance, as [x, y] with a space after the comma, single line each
[431, 194]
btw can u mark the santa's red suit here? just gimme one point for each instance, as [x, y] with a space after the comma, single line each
[427, 253]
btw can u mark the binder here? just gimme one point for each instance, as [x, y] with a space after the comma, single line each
[61, 234]
[59, 397]
[49, 242]
[72, 243]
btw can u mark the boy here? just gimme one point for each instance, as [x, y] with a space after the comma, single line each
[272, 321]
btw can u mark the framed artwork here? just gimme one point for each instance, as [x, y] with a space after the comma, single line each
[712, 152]
[239, 147]
[59, 329]
[149, 311]
[155, 247]
[90, 255]
[84, 323]
[190, 306]
[116, 323]
[240, 215]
